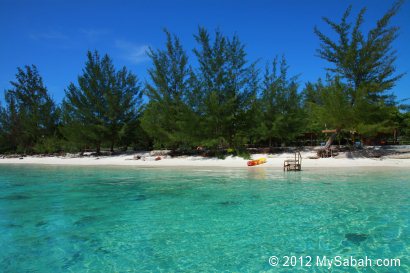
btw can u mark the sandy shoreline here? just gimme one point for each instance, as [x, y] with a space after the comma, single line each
[273, 161]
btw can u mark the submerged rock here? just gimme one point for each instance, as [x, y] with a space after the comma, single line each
[356, 238]
[16, 197]
[229, 203]
[41, 223]
[12, 225]
[85, 221]
[75, 258]
[140, 197]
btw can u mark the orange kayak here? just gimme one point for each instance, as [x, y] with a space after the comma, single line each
[256, 161]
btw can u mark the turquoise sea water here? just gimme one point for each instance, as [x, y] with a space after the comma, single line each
[106, 219]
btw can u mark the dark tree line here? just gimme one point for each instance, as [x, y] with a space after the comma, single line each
[224, 102]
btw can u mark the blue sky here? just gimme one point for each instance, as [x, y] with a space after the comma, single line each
[55, 35]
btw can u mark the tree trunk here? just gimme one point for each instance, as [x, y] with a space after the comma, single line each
[330, 141]
[395, 136]
[354, 140]
[98, 148]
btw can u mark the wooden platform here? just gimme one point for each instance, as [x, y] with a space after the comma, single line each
[293, 164]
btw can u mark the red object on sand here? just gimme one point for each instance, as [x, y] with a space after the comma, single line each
[158, 158]
[251, 163]
[257, 161]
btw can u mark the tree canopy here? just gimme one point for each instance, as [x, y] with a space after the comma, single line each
[281, 117]
[227, 86]
[364, 69]
[168, 117]
[215, 100]
[30, 114]
[103, 105]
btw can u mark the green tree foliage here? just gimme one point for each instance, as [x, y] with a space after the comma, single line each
[404, 126]
[226, 87]
[281, 118]
[219, 103]
[311, 97]
[103, 108]
[365, 62]
[169, 118]
[135, 136]
[29, 115]
[328, 105]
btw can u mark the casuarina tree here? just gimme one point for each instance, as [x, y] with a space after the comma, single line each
[103, 105]
[30, 114]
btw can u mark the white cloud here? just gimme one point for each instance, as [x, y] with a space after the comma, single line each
[131, 52]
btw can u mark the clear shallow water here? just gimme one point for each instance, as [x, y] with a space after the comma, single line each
[59, 219]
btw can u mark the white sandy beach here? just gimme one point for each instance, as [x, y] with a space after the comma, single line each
[343, 160]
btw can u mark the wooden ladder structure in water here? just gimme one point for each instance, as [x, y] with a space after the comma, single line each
[293, 164]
